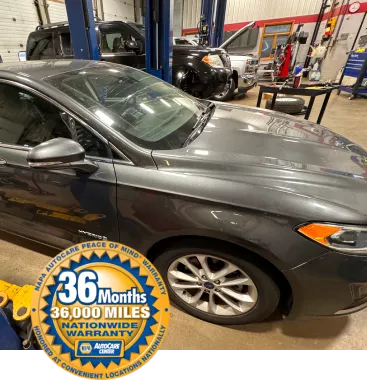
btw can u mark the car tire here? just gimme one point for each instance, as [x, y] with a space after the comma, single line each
[268, 293]
[290, 105]
[227, 93]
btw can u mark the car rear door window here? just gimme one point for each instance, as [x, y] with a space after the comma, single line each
[28, 120]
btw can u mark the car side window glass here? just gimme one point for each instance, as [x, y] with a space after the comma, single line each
[27, 120]
[40, 46]
[113, 39]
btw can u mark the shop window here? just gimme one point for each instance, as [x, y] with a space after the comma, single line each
[274, 35]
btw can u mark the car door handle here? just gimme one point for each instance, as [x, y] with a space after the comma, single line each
[2, 162]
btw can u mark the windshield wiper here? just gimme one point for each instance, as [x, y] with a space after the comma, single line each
[200, 124]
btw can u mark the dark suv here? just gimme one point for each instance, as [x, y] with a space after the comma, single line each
[199, 71]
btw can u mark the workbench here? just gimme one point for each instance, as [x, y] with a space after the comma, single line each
[300, 91]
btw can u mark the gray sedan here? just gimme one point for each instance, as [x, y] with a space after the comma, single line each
[242, 210]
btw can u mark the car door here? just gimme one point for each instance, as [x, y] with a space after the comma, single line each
[56, 207]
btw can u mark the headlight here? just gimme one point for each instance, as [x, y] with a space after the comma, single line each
[249, 61]
[351, 239]
[213, 60]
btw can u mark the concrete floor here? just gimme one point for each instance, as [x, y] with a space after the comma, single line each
[22, 260]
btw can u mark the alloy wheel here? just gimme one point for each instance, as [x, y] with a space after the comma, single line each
[212, 285]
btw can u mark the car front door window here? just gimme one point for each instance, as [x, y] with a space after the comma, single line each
[27, 120]
[113, 39]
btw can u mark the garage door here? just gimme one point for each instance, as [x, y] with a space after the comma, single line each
[57, 10]
[18, 19]
[118, 10]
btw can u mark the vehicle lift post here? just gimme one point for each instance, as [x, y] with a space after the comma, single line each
[158, 21]
[82, 29]
[220, 14]
[206, 22]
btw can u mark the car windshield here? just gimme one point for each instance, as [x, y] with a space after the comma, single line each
[146, 110]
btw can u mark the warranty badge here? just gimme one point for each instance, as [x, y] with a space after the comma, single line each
[100, 310]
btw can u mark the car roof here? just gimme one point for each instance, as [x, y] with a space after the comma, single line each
[65, 24]
[39, 70]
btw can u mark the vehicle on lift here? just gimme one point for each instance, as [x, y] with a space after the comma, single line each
[198, 70]
[244, 64]
[202, 72]
[241, 209]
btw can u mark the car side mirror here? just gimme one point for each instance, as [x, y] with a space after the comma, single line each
[60, 153]
[131, 46]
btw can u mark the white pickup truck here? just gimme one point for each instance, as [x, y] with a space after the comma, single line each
[244, 66]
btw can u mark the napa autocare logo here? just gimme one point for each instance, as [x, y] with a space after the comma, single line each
[98, 348]
[100, 310]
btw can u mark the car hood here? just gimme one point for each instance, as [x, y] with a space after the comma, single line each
[268, 148]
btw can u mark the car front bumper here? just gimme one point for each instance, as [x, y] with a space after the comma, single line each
[332, 285]
[247, 81]
[219, 79]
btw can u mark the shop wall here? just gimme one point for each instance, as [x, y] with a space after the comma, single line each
[18, 19]
[240, 13]
[57, 10]
[122, 10]
[341, 44]
[178, 17]
[250, 10]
